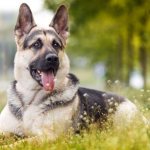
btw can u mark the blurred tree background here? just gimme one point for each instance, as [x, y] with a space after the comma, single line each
[7, 44]
[115, 32]
[109, 40]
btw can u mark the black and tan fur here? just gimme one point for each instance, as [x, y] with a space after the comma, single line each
[30, 109]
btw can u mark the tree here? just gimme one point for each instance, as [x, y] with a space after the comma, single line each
[108, 31]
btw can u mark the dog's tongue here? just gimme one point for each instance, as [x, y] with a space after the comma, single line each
[48, 80]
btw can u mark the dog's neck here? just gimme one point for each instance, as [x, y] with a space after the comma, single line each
[66, 92]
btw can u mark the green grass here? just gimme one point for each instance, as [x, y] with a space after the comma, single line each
[135, 137]
[2, 100]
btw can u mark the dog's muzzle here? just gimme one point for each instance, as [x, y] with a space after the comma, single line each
[44, 70]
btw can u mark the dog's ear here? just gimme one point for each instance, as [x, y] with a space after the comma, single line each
[25, 21]
[60, 21]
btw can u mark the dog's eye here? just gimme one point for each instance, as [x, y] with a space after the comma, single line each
[56, 45]
[38, 44]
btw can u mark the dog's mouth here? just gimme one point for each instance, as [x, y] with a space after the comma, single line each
[45, 78]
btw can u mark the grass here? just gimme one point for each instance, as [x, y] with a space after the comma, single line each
[2, 100]
[135, 137]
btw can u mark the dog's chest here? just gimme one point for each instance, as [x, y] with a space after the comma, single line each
[53, 122]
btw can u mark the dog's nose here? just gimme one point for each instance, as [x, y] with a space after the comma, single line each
[51, 58]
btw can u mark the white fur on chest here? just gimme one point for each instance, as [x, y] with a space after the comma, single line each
[51, 123]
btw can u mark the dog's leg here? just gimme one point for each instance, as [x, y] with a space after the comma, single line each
[127, 113]
[8, 122]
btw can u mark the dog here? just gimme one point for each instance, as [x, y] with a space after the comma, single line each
[45, 99]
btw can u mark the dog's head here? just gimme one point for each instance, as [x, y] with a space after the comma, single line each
[40, 60]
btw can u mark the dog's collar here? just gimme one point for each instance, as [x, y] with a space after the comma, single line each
[57, 104]
[63, 96]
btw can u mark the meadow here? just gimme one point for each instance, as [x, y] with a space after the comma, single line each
[116, 34]
[134, 137]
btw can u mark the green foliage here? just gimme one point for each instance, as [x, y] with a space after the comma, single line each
[2, 100]
[55, 3]
[135, 137]
[128, 139]
[103, 30]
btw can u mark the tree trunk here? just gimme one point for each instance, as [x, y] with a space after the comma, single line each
[130, 53]
[119, 68]
[143, 50]
[143, 58]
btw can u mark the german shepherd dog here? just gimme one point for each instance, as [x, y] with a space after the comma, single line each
[45, 99]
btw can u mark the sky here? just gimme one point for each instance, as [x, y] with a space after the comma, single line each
[41, 15]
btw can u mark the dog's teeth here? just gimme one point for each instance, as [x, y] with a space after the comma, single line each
[39, 71]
